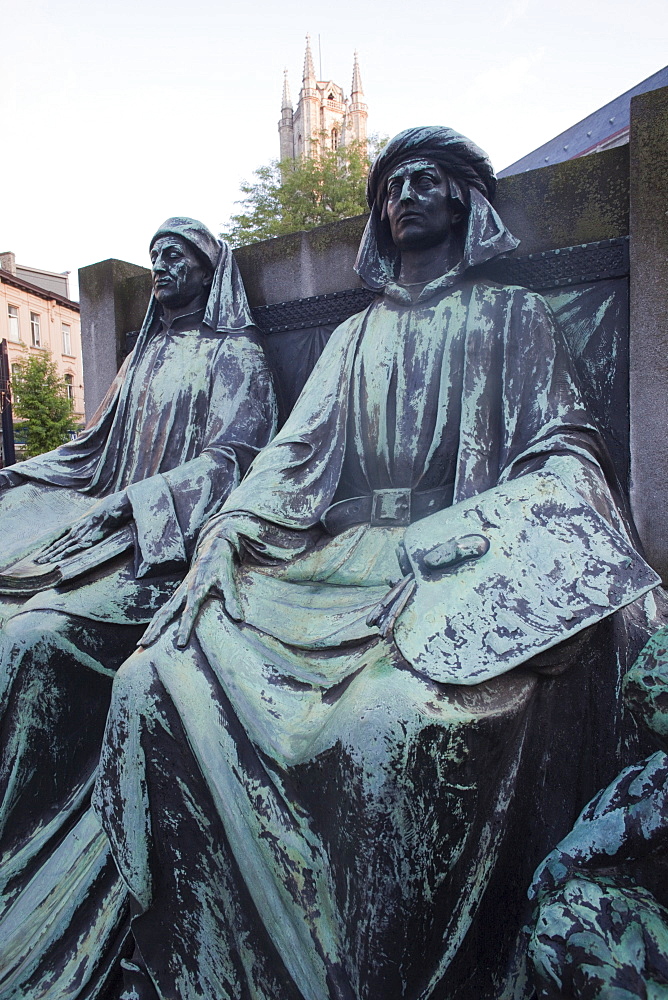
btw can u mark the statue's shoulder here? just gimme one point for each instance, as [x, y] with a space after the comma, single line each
[248, 341]
[242, 350]
[516, 294]
[520, 300]
[350, 327]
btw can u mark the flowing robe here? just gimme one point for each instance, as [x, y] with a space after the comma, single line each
[297, 812]
[177, 430]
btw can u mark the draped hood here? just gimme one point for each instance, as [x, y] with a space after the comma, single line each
[93, 463]
[472, 183]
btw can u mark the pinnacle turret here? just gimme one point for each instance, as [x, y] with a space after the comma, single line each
[309, 71]
[285, 126]
[357, 110]
[356, 91]
[286, 104]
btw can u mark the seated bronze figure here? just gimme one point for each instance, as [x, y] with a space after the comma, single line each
[120, 509]
[298, 809]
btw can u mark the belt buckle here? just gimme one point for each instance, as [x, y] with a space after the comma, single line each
[390, 508]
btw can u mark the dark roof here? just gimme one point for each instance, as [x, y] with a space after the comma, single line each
[7, 278]
[606, 127]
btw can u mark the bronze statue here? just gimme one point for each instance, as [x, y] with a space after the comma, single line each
[189, 409]
[298, 810]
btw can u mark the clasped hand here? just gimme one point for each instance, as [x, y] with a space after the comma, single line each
[445, 555]
[100, 521]
[212, 572]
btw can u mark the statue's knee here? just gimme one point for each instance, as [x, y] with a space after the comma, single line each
[29, 628]
[136, 678]
[579, 900]
[560, 917]
[577, 907]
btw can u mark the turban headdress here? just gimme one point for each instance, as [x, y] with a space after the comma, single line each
[472, 183]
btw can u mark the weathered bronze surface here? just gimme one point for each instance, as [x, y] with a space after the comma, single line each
[600, 929]
[543, 566]
[300, 812]
[100, 532]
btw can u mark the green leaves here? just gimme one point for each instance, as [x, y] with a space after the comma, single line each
[294, 195]
[40, 399]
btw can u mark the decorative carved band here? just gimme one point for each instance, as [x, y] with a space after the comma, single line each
[567, 266]
[318, 310]
[538, 271]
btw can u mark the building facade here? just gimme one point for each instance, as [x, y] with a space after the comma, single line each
[37, 314]
[325, 118]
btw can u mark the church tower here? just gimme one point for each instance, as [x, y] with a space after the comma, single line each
[325, 118]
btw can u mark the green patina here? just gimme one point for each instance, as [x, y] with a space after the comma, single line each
[298, 807]
[600, 929]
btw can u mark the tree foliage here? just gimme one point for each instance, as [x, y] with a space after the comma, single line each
[289, 196]
[40, 399]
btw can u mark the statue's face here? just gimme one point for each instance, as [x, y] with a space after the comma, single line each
[418, 204]
[178, 275]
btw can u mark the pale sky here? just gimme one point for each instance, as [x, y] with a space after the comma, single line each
[119, 114]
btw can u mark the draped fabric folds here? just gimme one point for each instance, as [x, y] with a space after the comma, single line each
[179, 427]
[297, 812]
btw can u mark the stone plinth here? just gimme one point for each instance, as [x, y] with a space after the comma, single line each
[112, 304]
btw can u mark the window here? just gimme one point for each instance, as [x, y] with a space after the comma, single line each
[15, 371]
[335, 138]
[67, 338]
[14, 328]
[35, 330]
[69, 388]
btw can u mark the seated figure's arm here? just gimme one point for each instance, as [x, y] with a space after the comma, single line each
[212, 573]
[167, 510]
[226, 539]
[101, 520]
[624, 822]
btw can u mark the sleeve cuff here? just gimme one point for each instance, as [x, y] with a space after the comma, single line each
[159, 539]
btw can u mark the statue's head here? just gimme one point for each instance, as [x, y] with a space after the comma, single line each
[192, 269]
[184, 254]
[429, 185]
[424, 153]
[418, 205]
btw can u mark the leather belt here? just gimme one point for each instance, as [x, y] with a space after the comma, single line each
[390, 508]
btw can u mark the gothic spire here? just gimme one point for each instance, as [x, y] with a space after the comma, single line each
[309, 71]
[286, 104]
[356, 92]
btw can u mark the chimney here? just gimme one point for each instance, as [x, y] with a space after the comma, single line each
[8, 261]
